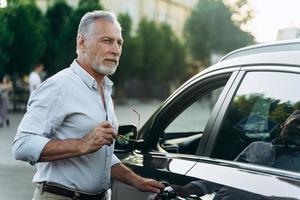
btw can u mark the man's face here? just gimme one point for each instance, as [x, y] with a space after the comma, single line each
[103, 46]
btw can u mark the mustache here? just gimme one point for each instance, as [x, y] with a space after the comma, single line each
[112, 60]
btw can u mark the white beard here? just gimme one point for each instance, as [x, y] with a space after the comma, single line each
[105, 69]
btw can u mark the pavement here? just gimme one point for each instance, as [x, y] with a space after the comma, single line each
[16, 176]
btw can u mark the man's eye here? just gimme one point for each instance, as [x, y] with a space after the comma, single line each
[107, 41]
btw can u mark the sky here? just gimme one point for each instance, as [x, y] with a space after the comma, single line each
[272, 15]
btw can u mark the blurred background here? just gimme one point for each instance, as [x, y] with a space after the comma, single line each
[166, 41]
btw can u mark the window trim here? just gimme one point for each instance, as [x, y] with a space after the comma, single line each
[158, 121]
[214, 133]
[205, 142]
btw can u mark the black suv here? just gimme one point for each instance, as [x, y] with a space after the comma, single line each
[200, 141]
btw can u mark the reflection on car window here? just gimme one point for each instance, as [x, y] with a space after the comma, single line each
[195, 117]
[262, 103]
[283, 152]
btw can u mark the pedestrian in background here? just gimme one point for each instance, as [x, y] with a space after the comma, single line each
[70, 125]
[6, 86]
[34, 79]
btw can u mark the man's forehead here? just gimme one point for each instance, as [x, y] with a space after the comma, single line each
[105, 35]
[106, 28]
[106, 23]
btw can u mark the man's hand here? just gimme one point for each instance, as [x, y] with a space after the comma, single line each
[149, 185]
[102, 134]
[124, 174]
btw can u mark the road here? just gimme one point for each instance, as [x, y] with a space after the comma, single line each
[16, 176]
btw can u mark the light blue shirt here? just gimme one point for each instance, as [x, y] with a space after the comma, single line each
[67, 105]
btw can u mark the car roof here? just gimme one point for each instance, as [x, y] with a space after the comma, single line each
[278, 46]
[283, 53]
[279, 53]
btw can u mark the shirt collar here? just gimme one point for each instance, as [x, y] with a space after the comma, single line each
[87, 78]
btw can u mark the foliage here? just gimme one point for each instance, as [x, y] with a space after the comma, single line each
[131, 53]
[57, 15]
[153, 54]
[157, 44]
[89, 4]
[211, 30]
[27, 24]
[6, 38]
[151, 59]
[69, 33]
[175, 55]
[148, 35]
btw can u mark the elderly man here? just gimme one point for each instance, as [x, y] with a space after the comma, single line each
[70, 124]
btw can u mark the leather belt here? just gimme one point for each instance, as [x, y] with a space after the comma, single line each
[75, 195]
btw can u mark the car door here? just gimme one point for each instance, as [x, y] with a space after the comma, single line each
[227, 180]
[172, 134]
[259, 101]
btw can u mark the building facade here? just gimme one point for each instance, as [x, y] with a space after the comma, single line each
[288, 33]
[172, 12]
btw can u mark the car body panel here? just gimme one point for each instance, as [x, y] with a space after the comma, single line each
[152, 159]
[162, 166]
[258, 180]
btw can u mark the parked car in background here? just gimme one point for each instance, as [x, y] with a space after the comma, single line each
[195, 136]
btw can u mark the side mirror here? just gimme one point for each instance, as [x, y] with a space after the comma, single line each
[128, 130]
[127, 139]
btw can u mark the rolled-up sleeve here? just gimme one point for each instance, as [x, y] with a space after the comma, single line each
[114, 160]
[44, 114]
[29, 147]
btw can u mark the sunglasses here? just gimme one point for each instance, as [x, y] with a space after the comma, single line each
[127, 137]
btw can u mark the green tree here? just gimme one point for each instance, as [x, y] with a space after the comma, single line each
[210, 29]
[89, 4]
[27, 23]
[153, 55]
[131, 57]
[159, 59]
[147, 35]
[68, 38]
[6, 38]
[156, 57]
[174, 56]
[57, 15]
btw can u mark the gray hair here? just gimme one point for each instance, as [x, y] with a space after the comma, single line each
[91, 17]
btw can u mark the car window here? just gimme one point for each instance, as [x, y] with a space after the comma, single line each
[184, 132]
[262, 103]
[195, 117]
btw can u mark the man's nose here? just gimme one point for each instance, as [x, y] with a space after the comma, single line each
[116, 49]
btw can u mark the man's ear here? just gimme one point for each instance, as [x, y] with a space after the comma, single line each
[81, 42]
